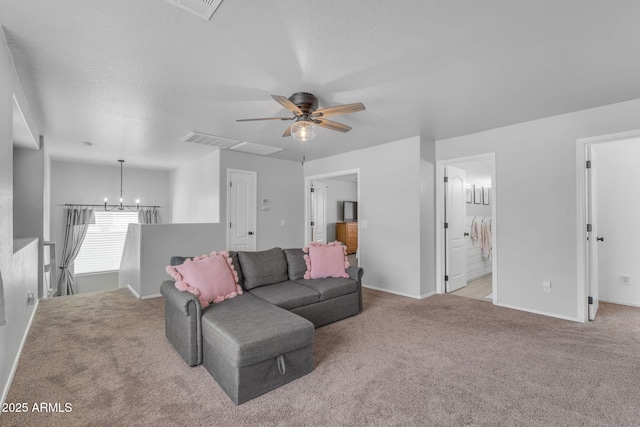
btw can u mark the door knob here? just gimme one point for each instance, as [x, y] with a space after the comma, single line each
[251, 233]
[466, 234]
[601, 239]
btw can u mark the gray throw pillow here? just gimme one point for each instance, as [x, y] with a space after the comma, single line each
[263, 267]
[297, 266]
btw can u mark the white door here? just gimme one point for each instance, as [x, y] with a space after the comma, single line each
[319, 212]
[241, 209]
[592, 235]
[455, 212]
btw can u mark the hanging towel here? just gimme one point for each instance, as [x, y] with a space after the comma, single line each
[475, 231]
[486, 239]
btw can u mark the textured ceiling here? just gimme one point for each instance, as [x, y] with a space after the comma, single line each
[133, 77]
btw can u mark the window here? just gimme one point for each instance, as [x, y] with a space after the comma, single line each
[102, 247]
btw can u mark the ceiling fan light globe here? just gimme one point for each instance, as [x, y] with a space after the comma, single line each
[303, 130]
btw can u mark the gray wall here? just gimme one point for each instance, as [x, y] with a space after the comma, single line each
[427, 218]
[536, 234]
[390, 245]
[281, 182]
[278, 180]
[195, 190]
[149, 248]
[20, 270]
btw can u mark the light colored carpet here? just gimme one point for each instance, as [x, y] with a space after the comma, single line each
[442, 361]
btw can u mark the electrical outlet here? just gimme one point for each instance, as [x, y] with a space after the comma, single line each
[625, 280]
[282, 222]
[363, 223]
[546, 286]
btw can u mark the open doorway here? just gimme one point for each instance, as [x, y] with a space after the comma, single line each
[608, 213]
[466, 208]
[332, 211]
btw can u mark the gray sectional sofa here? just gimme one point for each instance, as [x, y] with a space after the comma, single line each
[263, 338]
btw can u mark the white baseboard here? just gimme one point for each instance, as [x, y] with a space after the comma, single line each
[402, 294]
[430, 294]
[542, 313]
[135, 294]
[14, 367]
[612, 301]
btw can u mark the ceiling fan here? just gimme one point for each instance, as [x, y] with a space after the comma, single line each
[304, 107]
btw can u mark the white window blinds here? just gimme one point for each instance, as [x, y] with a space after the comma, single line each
[102, 247]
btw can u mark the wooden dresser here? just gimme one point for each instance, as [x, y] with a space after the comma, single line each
[347, 233]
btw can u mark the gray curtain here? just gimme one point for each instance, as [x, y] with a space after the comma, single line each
[149, 216]
[76, 226]
[3, 317]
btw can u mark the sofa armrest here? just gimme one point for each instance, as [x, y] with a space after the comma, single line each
[356, 274]
[180, 300]
[182, 321]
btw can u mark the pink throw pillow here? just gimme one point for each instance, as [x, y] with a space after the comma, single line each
[328, 260]
[212, 278]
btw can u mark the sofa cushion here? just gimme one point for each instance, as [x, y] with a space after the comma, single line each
[287, 295]
[330, 287]
[263, 267]
[247, 330]
[326, 260]
[297, 266]
[212, 278]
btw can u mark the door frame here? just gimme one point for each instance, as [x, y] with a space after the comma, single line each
[307, 200]
[583, 151]
[254, 215]
[440, 243]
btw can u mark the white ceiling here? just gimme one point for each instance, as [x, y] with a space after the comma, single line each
[133, 77]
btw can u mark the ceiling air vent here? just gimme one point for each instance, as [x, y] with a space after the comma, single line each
[202, 8]
[251, 148]
[211, 140]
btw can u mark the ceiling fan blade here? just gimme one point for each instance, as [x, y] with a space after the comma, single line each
[332, 125]
[339, 109]
[286, 103]
[265, 118]
[287, 132]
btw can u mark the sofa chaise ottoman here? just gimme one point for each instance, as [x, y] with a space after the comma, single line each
[251, 347]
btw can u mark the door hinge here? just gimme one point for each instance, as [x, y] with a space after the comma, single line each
[446, 225]
[589, 228]
[446, 179]
[229, 225]
[446, 278]
[230, 184]
[313, 190]
[590, 300]
[588, 164]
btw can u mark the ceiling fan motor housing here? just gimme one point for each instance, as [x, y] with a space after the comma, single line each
[305, 101]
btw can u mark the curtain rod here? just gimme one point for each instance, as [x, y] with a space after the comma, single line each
[101, 206]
